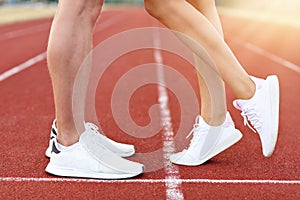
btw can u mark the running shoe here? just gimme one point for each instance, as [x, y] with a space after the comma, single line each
[53, 135]
[262, 111]
[207, 142]
[123, 150]
[90, 159]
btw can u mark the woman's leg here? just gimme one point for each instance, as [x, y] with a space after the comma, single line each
[208, 9]
[258, 99]
[181, 16]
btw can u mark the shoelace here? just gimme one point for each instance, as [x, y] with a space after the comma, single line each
[249, 114]
[95, 130]
[92, 126]
[196, 132]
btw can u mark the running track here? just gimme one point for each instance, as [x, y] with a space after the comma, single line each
[241, 172]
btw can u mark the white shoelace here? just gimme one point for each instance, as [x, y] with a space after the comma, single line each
[95, 129]
[197, 131]
[249, 114]
[92, 126]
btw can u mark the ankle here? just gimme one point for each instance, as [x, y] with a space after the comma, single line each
[67, 134]
[216, 120]
[67, 139]
[247, 89]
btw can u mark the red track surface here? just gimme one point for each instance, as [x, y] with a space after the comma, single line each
[27, 111]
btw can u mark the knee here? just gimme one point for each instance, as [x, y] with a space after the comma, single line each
[203, 5]
[157, 8]
[84, 9]
[91, 9]
[151, 6]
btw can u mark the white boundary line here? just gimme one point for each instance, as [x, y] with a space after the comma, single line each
[173, 185]
[269, 55]
[24, 31]
[168, 180]
[22, 66]
[42, 56]
[165, 181]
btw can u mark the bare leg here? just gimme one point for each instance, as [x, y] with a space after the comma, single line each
[69, 43]
[208, 9]
[181, 16]
[258, 99]
[94, 156]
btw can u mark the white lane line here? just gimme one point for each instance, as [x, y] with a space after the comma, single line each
[42, 56]
[164, 181]
[269, 55]
[25, 31]
[46, 26]
[172, 178]
[22, 66]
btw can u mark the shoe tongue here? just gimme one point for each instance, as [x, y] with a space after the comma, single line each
[258, 82]
[202, 122]
[239, 104]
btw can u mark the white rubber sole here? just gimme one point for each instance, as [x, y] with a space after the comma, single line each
[48, 152]
[274, 98]
[79, 173]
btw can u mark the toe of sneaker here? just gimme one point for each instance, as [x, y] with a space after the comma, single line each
[125, 150]
[183, 158]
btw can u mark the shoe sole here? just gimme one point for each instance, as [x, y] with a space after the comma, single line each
[273, 85]
[78, 173]
[48, 152]
[236, 136]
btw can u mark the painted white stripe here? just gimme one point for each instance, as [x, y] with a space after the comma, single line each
[42, 56]
[164, 181]
[22, 66]
[270, 56]
[172, 178]
[46, 26]
[25, 31]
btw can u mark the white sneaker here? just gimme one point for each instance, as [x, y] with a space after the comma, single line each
[123, 150]
[207, 142]
[79, 161]
[262, 110]
[53, 135]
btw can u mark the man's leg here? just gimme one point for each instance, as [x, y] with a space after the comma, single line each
[69, 43]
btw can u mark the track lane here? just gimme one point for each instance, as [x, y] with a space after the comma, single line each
[28, 39]
[35, 109]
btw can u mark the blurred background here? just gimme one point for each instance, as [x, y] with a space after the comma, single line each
[278, 5]
[14, 2]
[286, 11]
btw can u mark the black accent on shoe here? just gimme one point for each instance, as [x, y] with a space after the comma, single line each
[54, 132]
[54, 149]
[52, 137]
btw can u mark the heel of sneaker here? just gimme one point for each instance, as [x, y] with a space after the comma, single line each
[275, 99]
